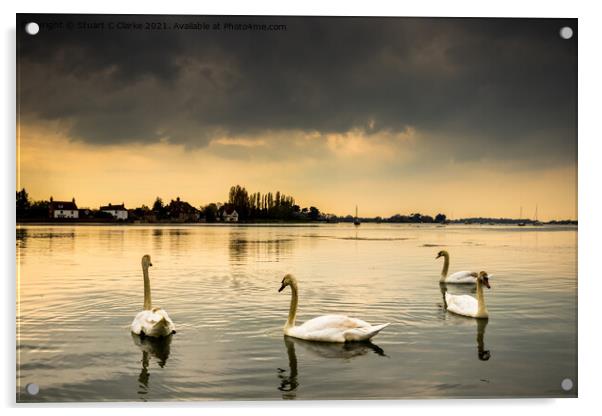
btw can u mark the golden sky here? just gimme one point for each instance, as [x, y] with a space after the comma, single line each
[333, 172]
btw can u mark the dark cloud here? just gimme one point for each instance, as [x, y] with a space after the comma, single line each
[504, 88]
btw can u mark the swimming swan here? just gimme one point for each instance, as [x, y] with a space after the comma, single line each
[152, 322]
[458, 277]
[326, 328]
[467, 305]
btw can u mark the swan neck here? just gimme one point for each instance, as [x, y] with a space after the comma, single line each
[481, 300]
[147, 290]
[292, 312]
[445, 266]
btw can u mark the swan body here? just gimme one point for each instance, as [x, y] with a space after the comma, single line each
[151, 322]
[463, 277]
[334, 328]
[154, 323]
[467, 305]
[326, 328]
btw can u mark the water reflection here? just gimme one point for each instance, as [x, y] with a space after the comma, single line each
[21, 239]
[244, 248]
[443, 288]
[345, 351]
[288, 382]
[150, 347]
[483, 354]
[238, 247]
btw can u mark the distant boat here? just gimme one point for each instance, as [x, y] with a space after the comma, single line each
[520, 217]
[537, 223]
[356, 220]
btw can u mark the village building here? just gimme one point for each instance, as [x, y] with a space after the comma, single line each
[182, 211]
[118, 212]
[229, 214]
[63, 209]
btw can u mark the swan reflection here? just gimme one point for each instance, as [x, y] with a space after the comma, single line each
[345, 351]
[483, 354]
[288, 382]
[158, 348]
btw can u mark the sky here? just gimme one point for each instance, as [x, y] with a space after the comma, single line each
[468, 117]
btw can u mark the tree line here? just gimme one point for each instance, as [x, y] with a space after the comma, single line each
[268, 206]
[249, 206]
[253, 206]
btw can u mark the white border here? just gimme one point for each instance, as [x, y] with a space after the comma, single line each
[590, 277]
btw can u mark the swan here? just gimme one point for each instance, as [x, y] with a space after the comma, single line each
[463, 277]
[152, 322]
[467, 305]
[326, 328]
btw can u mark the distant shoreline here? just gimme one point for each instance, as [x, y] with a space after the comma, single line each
[279, 223]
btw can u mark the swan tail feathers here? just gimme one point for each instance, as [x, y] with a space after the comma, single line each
[363, 333]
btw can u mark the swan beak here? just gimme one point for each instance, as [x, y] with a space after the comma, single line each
[281, 287]
[437, 256]
[487, 284]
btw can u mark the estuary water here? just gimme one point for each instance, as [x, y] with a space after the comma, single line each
[79, 287]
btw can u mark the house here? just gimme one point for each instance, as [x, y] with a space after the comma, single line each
[230, 214]
[63, 209]
[182, 211]
[118, 212]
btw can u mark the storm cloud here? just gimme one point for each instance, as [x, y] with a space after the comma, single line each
[473, 88]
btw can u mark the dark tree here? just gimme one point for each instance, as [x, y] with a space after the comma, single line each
[39, 209]
[158, 205]
[23, 203]
[210, 212]
[314, 213]
[239, 199]
[159, 209]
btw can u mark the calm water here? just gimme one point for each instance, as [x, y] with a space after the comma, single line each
[80, 287]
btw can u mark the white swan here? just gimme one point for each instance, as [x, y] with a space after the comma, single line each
[326, 328]
[152, 322]
[463, 277]
[466, 305]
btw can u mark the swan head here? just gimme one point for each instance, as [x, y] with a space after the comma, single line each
[484, 279]
[442, 253]
[146, 261]
[287, 280]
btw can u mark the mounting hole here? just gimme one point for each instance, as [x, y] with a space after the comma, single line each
[566, 32]
[32, 28]
[567, 384]
[32, 388]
